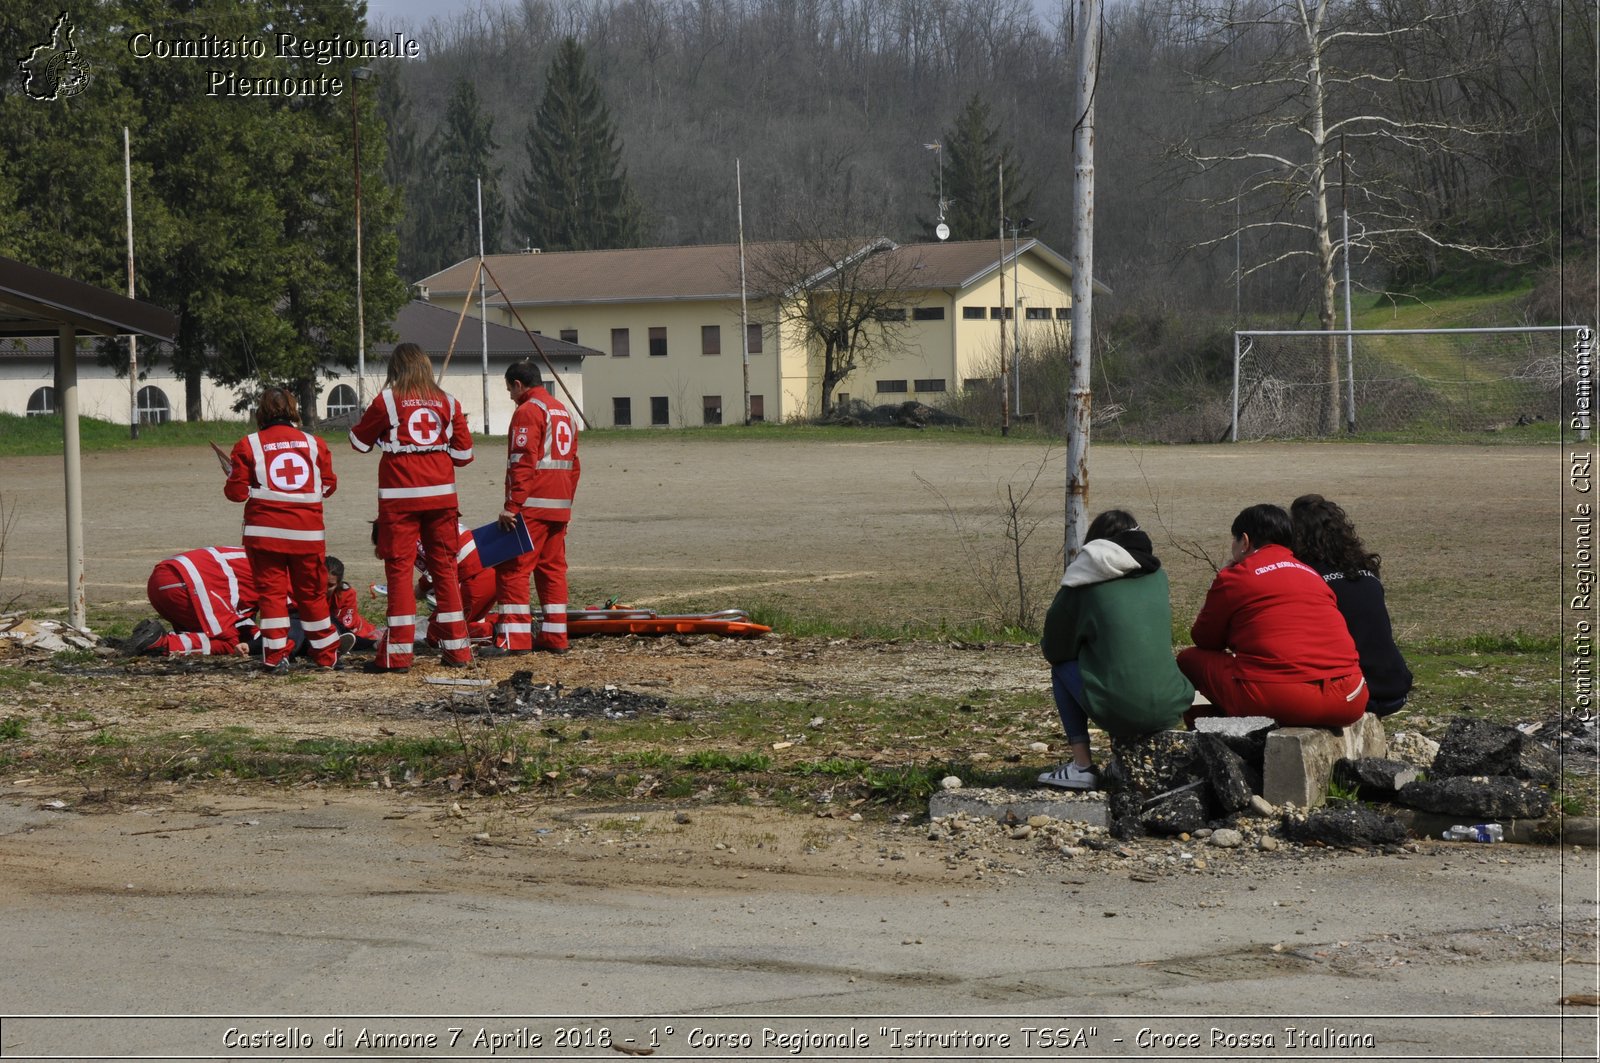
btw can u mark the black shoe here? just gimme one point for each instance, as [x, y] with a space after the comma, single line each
[374, 668]
[281, 668]
[492, 650]
[145, 635]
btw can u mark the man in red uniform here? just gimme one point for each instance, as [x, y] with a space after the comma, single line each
[282, 474]
[541, 480]
[423, 434]
[208, 596]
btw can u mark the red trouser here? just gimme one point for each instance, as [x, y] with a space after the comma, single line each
[397, 544]
[477, 598]
[169, 594]
[304, 578]
[547, 562]
[1335, 702]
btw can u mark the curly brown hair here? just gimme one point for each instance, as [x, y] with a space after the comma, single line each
[277, 404]
[1323, 535]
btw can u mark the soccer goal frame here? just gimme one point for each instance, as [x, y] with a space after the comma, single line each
[1245, 342]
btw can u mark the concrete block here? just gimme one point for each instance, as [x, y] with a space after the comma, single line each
[1299, 760]
[1087, 807]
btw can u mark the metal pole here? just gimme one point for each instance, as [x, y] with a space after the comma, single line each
[358, 75]
[1234, 431]
[1005, 379]
[483, 310]
[1016, 320]
[1349, 339]
[744, 309]
[133, 341]
[1079, 395]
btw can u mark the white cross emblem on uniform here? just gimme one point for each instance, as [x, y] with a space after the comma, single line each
[288, 472]
[424, 425]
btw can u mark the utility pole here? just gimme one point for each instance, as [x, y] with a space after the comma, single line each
[483, 310]
[357, 76]
[133, 341]
[744, 308]
[1005, 376]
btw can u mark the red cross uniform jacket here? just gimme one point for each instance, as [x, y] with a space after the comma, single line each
[221, 585]
[423, 440]
[281, 474]
[541, 459]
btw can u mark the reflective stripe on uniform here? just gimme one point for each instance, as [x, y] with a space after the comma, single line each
[450, 618]
[259, 532]
[547, 503]
[417, 492]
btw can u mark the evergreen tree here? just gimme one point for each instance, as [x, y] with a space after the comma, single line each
[403, 168]
[973, 151]
[575, 195]
[462, 149]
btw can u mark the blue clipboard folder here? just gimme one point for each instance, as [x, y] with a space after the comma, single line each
[495, 544]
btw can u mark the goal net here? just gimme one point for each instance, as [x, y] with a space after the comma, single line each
[1413, 383]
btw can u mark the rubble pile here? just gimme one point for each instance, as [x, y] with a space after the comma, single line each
[521, 695]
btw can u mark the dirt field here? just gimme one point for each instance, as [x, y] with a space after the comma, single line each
[463, 901]
[863, 531]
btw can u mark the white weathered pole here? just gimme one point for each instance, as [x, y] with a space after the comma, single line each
[483, 311]
[133, 341]
[1079, 395]
[67, 353]
[1349, 338]
[744, 309]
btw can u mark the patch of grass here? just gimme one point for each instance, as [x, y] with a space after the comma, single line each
[717, 760]
[780, 619]
[12, 728]
[70, 658]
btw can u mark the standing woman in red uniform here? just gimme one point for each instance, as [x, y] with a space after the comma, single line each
[282, 474]
[423, 434]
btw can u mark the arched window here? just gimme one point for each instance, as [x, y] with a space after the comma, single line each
[42, 403]
[153, 405]
[342, 402]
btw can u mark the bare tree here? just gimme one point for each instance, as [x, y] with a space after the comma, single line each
[1301, 77]
[844, 294]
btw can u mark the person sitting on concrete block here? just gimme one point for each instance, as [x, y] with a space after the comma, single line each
[1108, 638]
[1269, 640]
[1325, 539]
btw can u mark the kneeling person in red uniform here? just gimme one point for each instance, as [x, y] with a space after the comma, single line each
[423, 435]
[208, 595]
[282, 474]
[477, 586]
[541, 481]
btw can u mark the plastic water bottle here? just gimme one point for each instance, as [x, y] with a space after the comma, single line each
[1478, 832]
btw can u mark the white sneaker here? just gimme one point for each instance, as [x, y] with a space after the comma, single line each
[1069, 776]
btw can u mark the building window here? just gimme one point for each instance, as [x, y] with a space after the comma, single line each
[891, 387]
[1037, 313]
[711, 406]
[925, 386]
[342, 402]
[42, 403]
[658, 341]
[658, 409]
[758, 409]
[752, 338]
[972, 313]
[1063, 313]
[569, 335]
[621, 412]
[710, 339]
[998, 312]
[153, 405]
[619, 343]
[935, 313]
[892, 313]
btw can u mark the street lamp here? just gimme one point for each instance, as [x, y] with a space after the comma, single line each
[942, 231]
[357, 76]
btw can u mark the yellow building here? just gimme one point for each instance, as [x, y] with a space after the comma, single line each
[666, 321]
